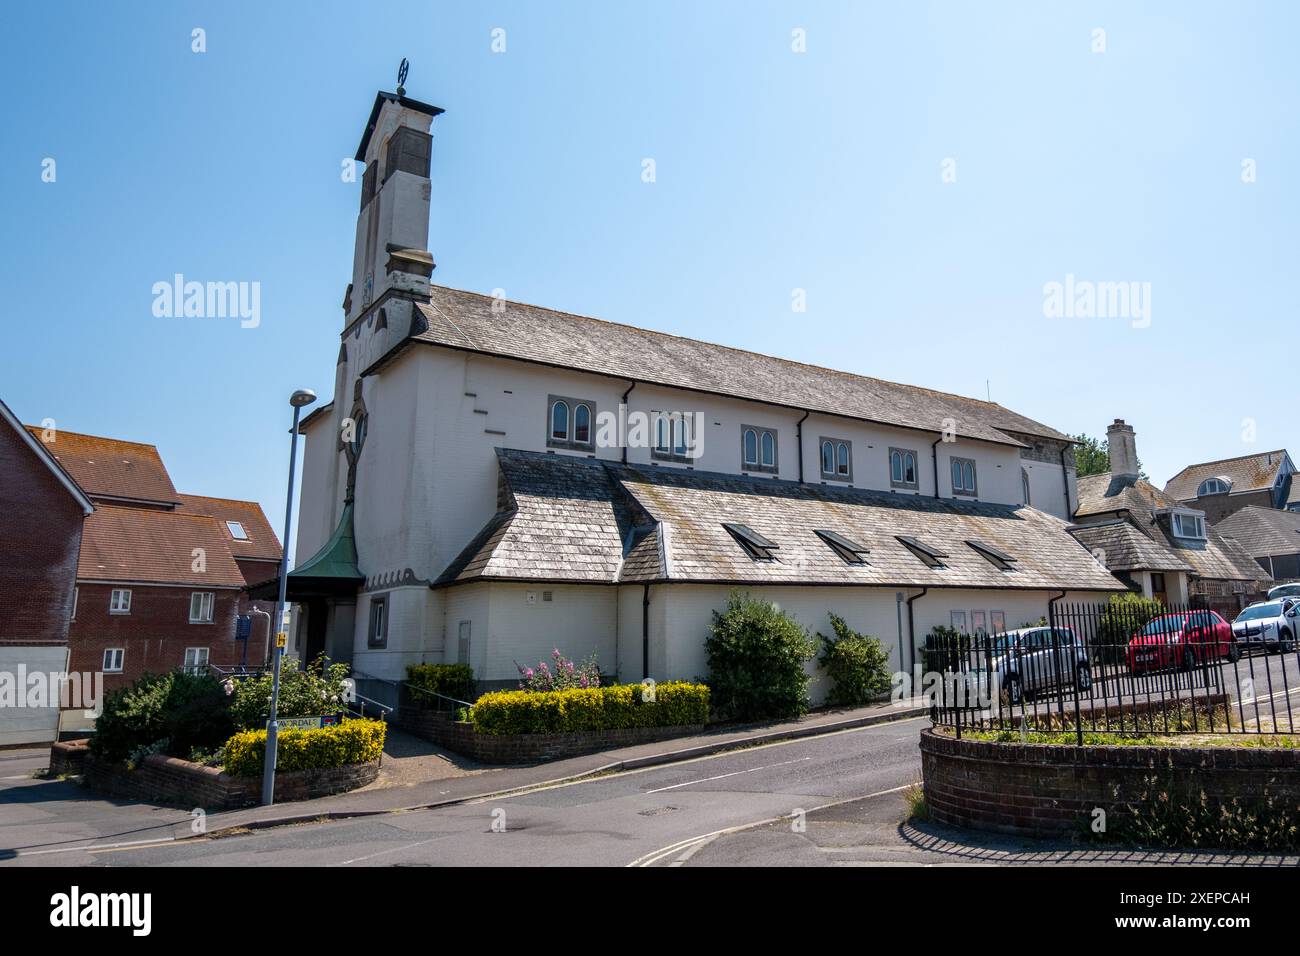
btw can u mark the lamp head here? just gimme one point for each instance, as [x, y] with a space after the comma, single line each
[304, 396]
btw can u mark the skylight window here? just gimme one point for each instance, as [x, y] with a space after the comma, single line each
[927, 555]
[755, 545]
[999, 559]
[237, 531]
[846, 548]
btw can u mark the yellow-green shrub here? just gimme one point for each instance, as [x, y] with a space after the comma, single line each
[353, 741]
[597, 708]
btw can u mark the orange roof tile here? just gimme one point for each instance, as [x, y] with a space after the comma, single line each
[109, 467]
[261, 543]
[150, 546]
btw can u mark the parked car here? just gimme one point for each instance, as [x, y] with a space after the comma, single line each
[1284, 590]
[1269, 624]
[1182, 639]
[1032, 659]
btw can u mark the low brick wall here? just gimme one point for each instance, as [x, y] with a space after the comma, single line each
[1050, 790]
[460, 737]
[162, 779]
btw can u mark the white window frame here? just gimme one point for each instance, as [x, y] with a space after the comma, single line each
[957, 470]
[118, 654]
[674, 436]
[1176, 525]
[207, 601]
[1213, 486]
[901, 455]
[841, 458]
[237, 530]
[116, 606]
[570, 439]
[76, 597]
[194, 667]
[756, 463]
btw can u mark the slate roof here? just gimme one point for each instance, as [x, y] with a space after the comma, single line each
[110, 467]
[466, 320]
[261, 544]
[1215, 558]
[1247, 473]
[146, 545]
[565, 518]
[1122, 546]
[1263, 531]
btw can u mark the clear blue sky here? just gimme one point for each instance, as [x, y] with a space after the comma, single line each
[775, 171]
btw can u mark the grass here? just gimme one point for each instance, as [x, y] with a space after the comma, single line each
[1098, 739]
[918, 809]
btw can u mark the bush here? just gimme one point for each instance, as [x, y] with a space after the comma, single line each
[310, 693]
[449, 680]
[170, 713]
[756, 656]
[615, 707]
[560, 674]
[351, 742]
[1124, 615]
[857, 665]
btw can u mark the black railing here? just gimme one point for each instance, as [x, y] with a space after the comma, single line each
[1117, 669]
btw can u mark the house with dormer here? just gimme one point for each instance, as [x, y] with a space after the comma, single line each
[1220, 488]
[494, 479]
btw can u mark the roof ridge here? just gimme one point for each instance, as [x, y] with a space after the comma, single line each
[106, 438]
[730, 348]
[1224, 461]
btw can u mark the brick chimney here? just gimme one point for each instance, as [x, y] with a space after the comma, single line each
[1123, 449]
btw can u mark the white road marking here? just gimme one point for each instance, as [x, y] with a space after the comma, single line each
[734, 773]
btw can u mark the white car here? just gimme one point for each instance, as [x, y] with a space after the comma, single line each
[1271, 625]
[1030, 660]
[1283, 591]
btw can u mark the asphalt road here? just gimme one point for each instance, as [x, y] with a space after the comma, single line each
[612, 820]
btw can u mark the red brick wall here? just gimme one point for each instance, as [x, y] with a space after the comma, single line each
[156, 632]
[40, 527]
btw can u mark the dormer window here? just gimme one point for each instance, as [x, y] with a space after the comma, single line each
[999, 559]
[963, 477]
[837, 459]
[930, 557]
[569, 423]
[902, 468]
[846, 548]
[1188, 525]
[1214, 486]
[757, 449]
[755, 545]
[674, 440]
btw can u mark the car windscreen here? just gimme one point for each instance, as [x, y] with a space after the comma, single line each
[1261, 611]
[1163, 625]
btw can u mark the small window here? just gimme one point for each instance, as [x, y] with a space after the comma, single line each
[113, 660]
[1215, 486]
[570, 423]
[931, 557]
[674, 436]
[196, 660]
[1188, 525]
[902, 468]
[998, 622]
[462, 642]
[119, 601]
[201, 607]
[755, 545]
[237, 531]
[963, 477]
[958, 620]
[837, 459]
[76, 595]
[999, 559]
[377, 635]
[359, 430]
[1024, 485]
[758, 452]
[846, 548]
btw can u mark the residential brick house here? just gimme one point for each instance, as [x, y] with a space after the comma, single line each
[494, 479]
[1219, 488]
[1160, 546]
[42, 511]
[161, 578]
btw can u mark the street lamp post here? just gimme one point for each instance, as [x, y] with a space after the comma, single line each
[304, 396]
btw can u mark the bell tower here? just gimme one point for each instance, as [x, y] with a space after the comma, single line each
[393, 223]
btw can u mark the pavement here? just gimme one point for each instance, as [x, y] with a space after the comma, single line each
[55, 818]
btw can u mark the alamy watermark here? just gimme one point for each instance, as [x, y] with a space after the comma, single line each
[208, 300]
[1085, 299]
[38, 690]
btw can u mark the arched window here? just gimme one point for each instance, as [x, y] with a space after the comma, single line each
[1024, 484]
[828, 458]
[582, 425]
[661, 434]
[956, 475]
[909, 468]
[560, 421]
[968, 476]
[679, 436]
[895, 466]
[1214, 486]
[842, 459]
[359, 433]
[769, 450]
[751, 447]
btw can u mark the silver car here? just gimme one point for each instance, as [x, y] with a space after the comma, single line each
[1269, 624]
[1033, 659]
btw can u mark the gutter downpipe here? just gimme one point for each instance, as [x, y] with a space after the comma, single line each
[911, 629]
[798, 428]
[934, 454]
[623, 413]
[645, 632]
[1065, 479]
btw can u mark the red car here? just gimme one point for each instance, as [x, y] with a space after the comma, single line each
[1185, 639]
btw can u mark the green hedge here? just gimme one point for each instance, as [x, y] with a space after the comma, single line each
[598, 708]
[449, 680]
[173, 713]
[353, 741]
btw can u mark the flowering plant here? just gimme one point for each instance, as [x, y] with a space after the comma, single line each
[560, 674]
